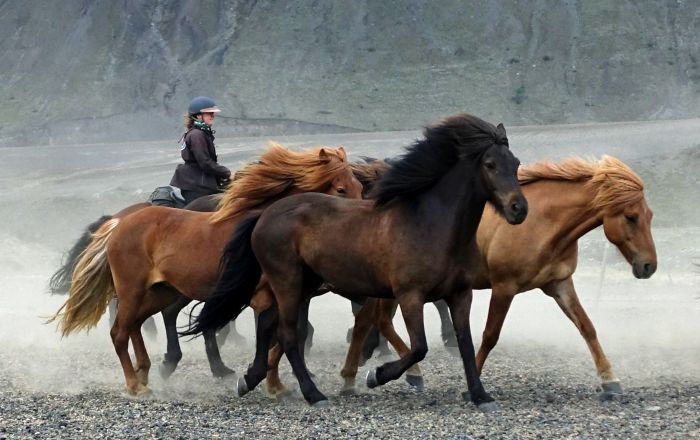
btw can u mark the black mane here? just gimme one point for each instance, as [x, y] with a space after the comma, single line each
[456, 138]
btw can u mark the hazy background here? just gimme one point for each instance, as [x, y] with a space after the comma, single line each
[93, 94]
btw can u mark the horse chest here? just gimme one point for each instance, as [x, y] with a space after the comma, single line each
[557, 270]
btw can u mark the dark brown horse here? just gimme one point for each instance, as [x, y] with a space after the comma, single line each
[415, 242]
[153, 256]
[566, 201]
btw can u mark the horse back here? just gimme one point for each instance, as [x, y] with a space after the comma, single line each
[331, 234]
[180, 247]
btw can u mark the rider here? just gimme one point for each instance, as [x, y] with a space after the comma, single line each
[200, 175]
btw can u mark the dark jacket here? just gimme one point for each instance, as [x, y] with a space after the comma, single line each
[200, 172]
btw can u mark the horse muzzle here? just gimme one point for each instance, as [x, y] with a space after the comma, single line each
[643, 269]
[515, 211]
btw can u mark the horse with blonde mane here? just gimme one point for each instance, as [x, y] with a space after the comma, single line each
[151, 257]
[566, 200]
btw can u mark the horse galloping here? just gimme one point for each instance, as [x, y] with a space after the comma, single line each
[154, 255]
[414, 242]
[566, 201]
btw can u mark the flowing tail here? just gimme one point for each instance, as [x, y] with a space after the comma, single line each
[60, 281]
[239, 274]
[92, 287]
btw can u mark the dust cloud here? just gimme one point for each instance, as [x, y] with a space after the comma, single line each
[647, 327]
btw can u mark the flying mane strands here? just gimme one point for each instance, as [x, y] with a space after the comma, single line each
[616, 184]
[278, 171]
[426, 161]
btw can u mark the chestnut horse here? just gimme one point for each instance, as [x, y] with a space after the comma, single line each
[414, 242]
[154, 255]
[566, 201]
[366, 171]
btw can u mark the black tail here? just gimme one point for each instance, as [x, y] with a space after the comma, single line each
[60, 281]
[239, 274]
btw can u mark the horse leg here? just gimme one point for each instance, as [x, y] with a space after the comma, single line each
[302, 325]
[290, 297]
[143, 362]
[122, 328]
[412, 310]
[266, 325]
[363, 325]
[174, 353]
[384, 315]
[217, 366]
[447, 331]
[498, 309]
[273, 384]
[156, 299]
[377, 340]
[565, 295]
[460, 306]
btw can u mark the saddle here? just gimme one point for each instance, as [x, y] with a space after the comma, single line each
[169, 196]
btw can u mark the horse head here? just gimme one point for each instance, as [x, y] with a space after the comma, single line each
[626, 218]
[499, 175]
[344, 183]
[630, 230]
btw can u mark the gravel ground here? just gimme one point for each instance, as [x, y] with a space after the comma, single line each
[543, 392]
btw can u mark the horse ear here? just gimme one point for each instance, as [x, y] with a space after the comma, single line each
[323, 156]
[342, 152]
[501, 131]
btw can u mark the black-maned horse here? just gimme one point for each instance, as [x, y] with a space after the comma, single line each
[414, 242]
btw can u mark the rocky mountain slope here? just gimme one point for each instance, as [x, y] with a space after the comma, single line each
[108, 70]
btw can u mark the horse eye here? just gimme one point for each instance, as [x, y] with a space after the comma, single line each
[490, 165]
[340, 190]
[631, 218]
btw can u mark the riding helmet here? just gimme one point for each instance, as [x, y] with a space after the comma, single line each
[202, 104]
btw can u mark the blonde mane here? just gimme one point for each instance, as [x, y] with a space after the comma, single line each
[614, 183]
[277, 172]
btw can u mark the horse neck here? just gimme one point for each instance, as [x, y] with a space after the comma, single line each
[455, 205]
[572, 212]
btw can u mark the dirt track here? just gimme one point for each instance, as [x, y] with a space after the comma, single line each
[543, 392]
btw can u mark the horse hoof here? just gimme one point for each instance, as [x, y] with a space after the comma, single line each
[350, 391]
[278, 393]
[242, 387]
[222, 372]
[488, 407]
[371, 379]
[611, 391]
[140, 392]
[415, 381]
[321, 404]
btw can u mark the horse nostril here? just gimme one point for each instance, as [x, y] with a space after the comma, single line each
[647, 269]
